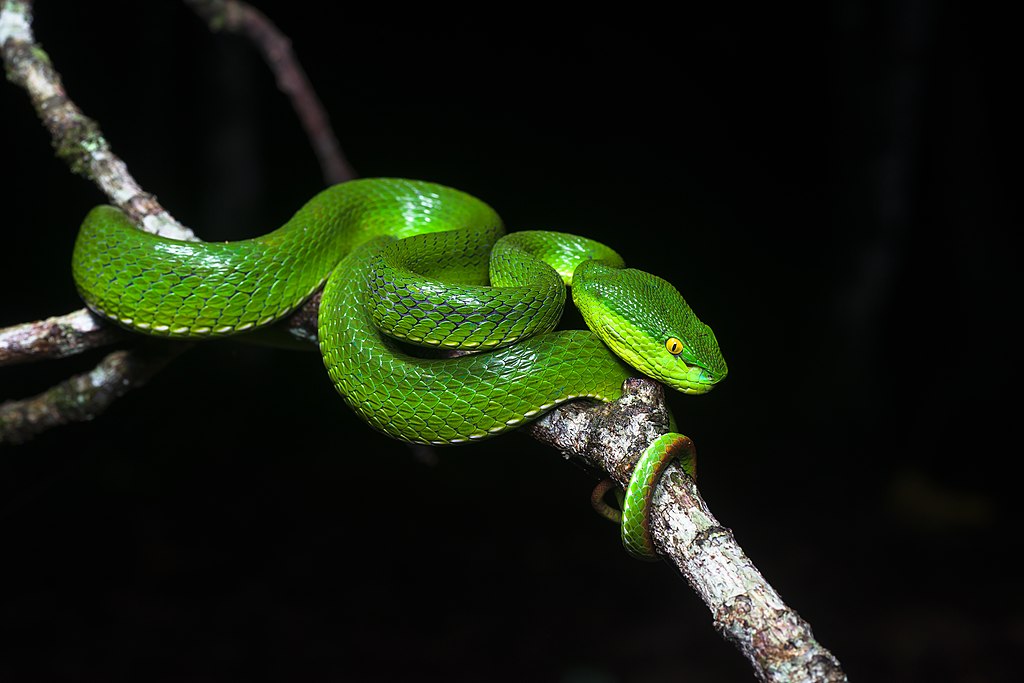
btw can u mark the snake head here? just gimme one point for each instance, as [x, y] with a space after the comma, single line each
[647, 323]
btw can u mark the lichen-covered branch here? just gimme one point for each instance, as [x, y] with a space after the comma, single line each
[84, 396]
[746, 609]
[241, 17]
[76, 138]
[72, 333]
[56, 337]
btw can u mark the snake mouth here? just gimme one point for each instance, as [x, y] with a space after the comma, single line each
[697, 379]
[694, 380]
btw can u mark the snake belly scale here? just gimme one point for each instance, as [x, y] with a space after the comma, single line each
[413, 263]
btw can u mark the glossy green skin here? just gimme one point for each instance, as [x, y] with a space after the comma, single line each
[424, 264]
[636, 518]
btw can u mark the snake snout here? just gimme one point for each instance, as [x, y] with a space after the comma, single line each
[714, 377]
[697, 379]
[711, 378]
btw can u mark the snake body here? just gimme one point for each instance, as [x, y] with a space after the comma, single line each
[409, 263]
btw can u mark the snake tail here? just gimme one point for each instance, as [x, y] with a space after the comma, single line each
[636, 516]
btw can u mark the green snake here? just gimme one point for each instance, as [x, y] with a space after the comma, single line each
[409, 263]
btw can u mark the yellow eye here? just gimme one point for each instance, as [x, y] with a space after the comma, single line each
[674, 346]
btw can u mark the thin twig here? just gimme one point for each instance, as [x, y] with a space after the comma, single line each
[241, 17]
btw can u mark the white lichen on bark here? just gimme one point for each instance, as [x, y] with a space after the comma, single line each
[76, 137]
[14, 22]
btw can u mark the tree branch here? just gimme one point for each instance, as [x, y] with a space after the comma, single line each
[56, 337]
[746, 609]
[83, 397]
[76, 138]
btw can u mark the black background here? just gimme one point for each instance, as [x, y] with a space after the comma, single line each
[834, 191]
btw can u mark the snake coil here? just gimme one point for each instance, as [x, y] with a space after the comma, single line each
[410, 262]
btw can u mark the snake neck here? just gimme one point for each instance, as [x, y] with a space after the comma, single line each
[432, 290]
[450, 401]
[468, 289]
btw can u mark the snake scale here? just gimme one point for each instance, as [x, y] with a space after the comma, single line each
[403, 263]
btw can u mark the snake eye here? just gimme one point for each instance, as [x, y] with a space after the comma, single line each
[674, 346]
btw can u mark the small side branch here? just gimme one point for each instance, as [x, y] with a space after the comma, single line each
[240, 17]
[746, 609]
[84, 396]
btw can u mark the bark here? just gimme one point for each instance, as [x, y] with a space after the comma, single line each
[83, 397]
[56, 337]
